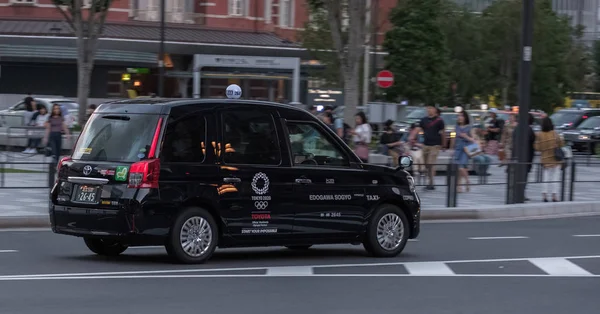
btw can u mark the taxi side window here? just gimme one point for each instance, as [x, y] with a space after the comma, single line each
[185, 139]
[312, 147]
[250, 138]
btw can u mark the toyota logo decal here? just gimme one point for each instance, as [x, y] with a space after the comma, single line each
[87, 170]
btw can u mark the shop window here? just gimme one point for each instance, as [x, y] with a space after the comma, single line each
[286, 13]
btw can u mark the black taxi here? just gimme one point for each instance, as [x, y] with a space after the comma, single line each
[198, 174]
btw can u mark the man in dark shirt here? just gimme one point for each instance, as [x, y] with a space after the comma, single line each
[529, 148]
[432, 127]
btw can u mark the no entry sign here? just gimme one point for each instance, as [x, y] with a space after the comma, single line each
[385, 79]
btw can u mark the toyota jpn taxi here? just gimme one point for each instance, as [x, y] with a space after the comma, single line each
[194, 175]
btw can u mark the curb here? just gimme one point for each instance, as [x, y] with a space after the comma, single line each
[517, 211]
[564, 209]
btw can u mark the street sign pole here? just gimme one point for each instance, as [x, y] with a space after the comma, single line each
[521, 147]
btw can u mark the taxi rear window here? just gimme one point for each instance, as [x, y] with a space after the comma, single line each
[116, 137]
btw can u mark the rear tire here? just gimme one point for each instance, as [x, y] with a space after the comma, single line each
[104, 247]
[387, 232]
[193, 237]
[299, 247]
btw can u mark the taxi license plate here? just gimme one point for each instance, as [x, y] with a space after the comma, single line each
[86, 194]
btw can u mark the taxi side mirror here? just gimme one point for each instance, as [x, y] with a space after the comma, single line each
[405, 162]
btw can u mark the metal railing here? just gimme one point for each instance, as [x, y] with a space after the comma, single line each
[48, 176]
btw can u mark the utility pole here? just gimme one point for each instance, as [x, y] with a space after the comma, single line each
[375, 42]
[522, 144]
[366, 71]
[161, 51]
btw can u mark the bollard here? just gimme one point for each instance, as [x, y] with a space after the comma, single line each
[572, 183]
[562, 182]
[51, 175]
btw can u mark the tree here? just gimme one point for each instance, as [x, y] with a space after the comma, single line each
[315, 30]
[596, 64]
[348, 48]
[87, 23]
[559, 62]
[468, 61]
[417, 52]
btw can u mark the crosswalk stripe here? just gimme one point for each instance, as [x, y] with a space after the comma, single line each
[290, 271]
[559, 267]
[428, 269]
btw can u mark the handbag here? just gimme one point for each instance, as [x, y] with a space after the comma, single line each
[473, 150]
[559, 154]
[362, 151]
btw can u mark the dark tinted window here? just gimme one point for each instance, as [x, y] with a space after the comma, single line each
[250, 138]
[312, 147]
[116, 137]
[185, 140]
[564, 117]
[590, 123]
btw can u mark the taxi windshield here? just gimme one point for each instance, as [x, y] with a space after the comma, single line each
[449, 118]
[116, 137]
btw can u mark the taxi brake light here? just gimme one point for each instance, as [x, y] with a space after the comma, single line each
[60, 163]
[145, 173]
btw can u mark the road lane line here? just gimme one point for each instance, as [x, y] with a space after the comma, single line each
[265, 276]
[497, 238]
[200, 270]
[586, 235]
[428, 269]
[8, 251]
[290, 271]
[559, 267]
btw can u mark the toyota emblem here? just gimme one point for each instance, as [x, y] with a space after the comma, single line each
[87, 170]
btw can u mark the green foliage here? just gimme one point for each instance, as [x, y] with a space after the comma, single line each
[596, 64]
[418, 54]
[316, 37]
[434, 44]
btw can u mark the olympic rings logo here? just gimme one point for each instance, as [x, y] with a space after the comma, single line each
[265, 179]
[261, 205]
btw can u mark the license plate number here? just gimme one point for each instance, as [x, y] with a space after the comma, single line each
[86, 194]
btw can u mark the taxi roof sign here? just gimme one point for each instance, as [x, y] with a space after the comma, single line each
[233, 91]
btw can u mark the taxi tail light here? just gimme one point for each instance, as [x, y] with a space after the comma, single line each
[144, 174]
[60, 163]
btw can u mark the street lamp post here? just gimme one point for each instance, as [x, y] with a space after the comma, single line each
[522, 138]
[161, 51]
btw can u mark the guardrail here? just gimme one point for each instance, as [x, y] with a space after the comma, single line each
[48, 176]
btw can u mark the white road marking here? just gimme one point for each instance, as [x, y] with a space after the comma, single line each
[559, 267]
[586, 235]
[498, 238]
[25, 230]
[290, 271]
[146, 247]
[432, 266]
[428, 269]
[8, 251]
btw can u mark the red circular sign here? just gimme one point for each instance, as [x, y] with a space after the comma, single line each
[385, 79]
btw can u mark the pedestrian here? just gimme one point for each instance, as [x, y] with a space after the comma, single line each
[460, 144]
[38, 120]
[327, 118]
[433, 129]
[529, 148]
[55, 126]
[494, 130]
[391, 142]
[506, 143]
[481, 161]
[548, 142]
[415, 145]
[361, 136]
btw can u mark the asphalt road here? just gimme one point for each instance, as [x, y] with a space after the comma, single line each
[536, 266]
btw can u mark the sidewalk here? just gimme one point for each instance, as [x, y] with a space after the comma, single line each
[29, 204]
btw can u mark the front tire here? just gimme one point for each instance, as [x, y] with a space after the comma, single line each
[387, 232]
[193, 237]
[104, 247]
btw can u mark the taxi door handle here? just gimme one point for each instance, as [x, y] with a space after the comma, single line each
[232, 180]
[303, 181]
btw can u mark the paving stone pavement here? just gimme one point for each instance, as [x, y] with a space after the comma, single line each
[21, 195]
